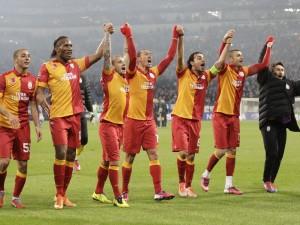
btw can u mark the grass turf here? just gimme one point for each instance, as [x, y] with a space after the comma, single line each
[254, 207]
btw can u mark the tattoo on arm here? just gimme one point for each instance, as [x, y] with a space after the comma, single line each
[107, 52]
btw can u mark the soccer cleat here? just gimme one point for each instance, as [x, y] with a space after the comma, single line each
[68, 203]
[120, 202]
[125, 196]
[59, 202]
[269, 187]
[204, 182]
[190, 193]
[163, 196]
[77, 166]
[17, 203]
[101, 198]
[233, 191]
[182, 190]
[2, 193]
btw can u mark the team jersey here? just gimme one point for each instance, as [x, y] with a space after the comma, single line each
[16, 90]
[230, 90]
[141, 93]
[63, 80]
[191, 94]
[115, 89]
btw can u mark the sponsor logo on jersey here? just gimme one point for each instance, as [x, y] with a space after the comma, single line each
[29, 85]
[69, 76]
[197, 86]
[147, 85]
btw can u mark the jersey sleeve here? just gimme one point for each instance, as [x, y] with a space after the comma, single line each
[83, 63]
[107, 75]
[2, 85]
[179, 73]
[43, 76]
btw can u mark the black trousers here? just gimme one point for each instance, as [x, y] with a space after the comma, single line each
[84, 128]
[274, 136]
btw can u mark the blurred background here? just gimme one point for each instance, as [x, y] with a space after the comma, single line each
[35, 24]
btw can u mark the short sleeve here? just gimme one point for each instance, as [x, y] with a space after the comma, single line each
[2, 85]
[83, 63]
[43, 76]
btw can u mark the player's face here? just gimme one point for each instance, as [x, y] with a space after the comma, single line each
[199, 63]
[237, 58]
[119, 64]
[145, 58]
[65, 49]
[23, 59]
[279, 71]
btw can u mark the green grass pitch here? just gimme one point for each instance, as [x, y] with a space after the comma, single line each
[255, 207]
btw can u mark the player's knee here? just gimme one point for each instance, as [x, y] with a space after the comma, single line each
[152, 154]
[4, 162]
[105, 163]
[191, 157]
[60, 152]
[219, 153]
[22, 167]
[71, 154]
[183, 155]
[130, 158]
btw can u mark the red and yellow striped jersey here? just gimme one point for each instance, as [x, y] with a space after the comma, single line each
[141, 93]
[230, 90]
[63, 82]
[115, 89]
[191, 94]
[16, 90]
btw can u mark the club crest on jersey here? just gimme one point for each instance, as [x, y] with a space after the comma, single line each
[29, 85]
[241, 74]
[72, 65]
[203, 77]
[12, 80]
[287, 87]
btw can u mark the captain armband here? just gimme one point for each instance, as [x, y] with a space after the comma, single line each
[214, 70]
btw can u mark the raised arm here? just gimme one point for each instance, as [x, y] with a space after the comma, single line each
[262, 75]
[253, 69]
[99, 51]
[180, 53]
[107, 49]
[126, 30]
[177, 31]
[220, 63]
[225, 40]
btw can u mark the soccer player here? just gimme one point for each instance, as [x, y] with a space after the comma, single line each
[115, 88]
[276, 114]
[226, 124]
[61, 75]
[17, 91]
[139, 127]
[88, 108]
[193, 81]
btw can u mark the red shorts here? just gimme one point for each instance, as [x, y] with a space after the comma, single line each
[139, 133]
[15, 143]
[66, 131]
[226, 131]
[185, 135]
[111, 136]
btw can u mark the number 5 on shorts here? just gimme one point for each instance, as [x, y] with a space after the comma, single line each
[26, 147]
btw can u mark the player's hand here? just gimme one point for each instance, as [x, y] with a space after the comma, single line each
[108, 27]
[38, 132]
[229, 35]
[14, 121]
[270, 41]
[126, 30]
[179, 30]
